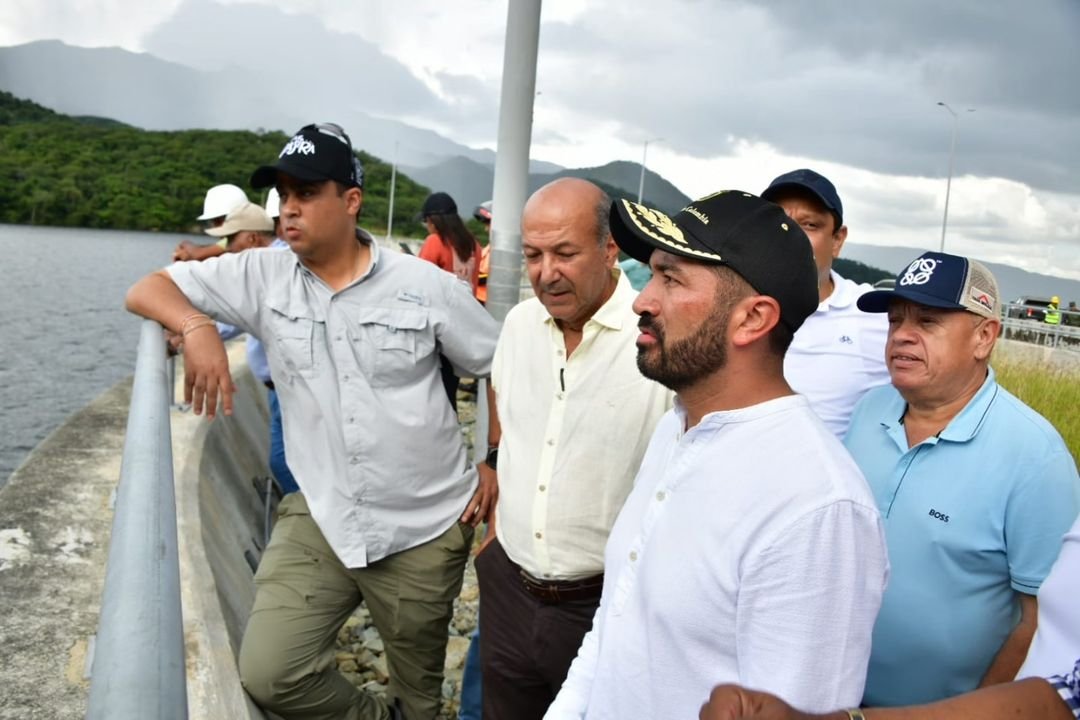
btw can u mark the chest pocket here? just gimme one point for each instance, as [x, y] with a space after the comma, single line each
[299, 336]
[397, 341]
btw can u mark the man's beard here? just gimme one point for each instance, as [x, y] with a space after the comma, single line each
[682, 363]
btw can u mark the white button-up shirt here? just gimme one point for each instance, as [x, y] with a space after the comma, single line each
[750, 551]
[573, 433]
[838, 354]
[371, 439]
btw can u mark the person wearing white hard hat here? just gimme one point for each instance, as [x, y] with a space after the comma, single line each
[219, 201]
[273, 209]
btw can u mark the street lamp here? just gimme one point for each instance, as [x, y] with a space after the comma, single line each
[952, 157]
[644, 155]
[393, 184]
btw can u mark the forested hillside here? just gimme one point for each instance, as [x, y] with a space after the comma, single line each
[97, 173]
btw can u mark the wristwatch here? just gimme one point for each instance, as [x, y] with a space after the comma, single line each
[492, 458]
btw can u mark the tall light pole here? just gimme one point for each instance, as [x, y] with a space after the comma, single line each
[952, 158]
[393, 183]
[644, 156]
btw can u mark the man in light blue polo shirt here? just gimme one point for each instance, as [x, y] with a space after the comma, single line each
[976, 490]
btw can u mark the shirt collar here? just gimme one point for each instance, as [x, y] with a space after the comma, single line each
[842, 296]
[961, 428]
[966, 424]
[612, 314]
[376, 254]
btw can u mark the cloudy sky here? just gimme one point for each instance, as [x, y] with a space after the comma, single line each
[728, 92]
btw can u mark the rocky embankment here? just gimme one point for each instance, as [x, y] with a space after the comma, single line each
[360, 654]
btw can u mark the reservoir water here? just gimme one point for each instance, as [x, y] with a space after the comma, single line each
[64, 334]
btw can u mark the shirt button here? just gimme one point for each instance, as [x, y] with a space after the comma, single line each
[338, 338]
[355, 460]
[633, 556]
[551, 441]
[345, 378]
[559, 352]
[539, 536]
[352, 420]
[660, 496]
[559, 395]
[543, 488]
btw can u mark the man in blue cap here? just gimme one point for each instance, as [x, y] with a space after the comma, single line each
[976, 490]
[839, 353]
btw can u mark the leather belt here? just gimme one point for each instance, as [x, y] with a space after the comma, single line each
[557, 591]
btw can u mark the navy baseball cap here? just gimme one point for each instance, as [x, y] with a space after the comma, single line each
[941, 280]
[808, 181]
[752, 236]
[317, 152]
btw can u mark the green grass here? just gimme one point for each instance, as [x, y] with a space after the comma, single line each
[1054, 392]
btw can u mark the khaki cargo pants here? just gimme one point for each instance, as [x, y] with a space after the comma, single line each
[303, 596]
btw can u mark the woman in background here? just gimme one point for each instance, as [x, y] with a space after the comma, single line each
[452, 247]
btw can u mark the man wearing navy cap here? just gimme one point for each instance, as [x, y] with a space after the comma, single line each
[749, 548]
[976, 489]
[839, 353]
[353, 334]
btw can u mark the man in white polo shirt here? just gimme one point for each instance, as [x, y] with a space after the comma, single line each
[750, 548]
[839, 353]
[574, 417]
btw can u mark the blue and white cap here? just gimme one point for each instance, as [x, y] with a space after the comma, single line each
[944, 281]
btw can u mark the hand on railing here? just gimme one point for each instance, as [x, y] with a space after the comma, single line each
[206, 372]
[174, 343]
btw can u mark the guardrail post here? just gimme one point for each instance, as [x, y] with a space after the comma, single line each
[138, 670]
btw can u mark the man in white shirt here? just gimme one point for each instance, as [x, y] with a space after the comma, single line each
[839, 352]
[750, 548]
[573, 419]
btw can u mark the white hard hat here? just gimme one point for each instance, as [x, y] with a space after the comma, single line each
[273, 203]
[220, 199]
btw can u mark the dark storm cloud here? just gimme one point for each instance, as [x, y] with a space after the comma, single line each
[849, 82]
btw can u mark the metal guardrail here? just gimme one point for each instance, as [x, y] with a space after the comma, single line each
[138, 667]
[1063, 335]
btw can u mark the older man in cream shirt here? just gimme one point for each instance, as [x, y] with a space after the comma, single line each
[574, 417]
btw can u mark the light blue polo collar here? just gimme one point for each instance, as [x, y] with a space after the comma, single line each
[962, 428]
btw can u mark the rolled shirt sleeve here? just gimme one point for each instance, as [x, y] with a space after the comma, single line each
[228, 287]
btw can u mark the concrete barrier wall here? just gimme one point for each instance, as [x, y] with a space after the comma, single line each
[221, 472]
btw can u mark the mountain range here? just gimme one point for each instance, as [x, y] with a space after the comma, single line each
[150, 93]
[470, 183]
[144, 91]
